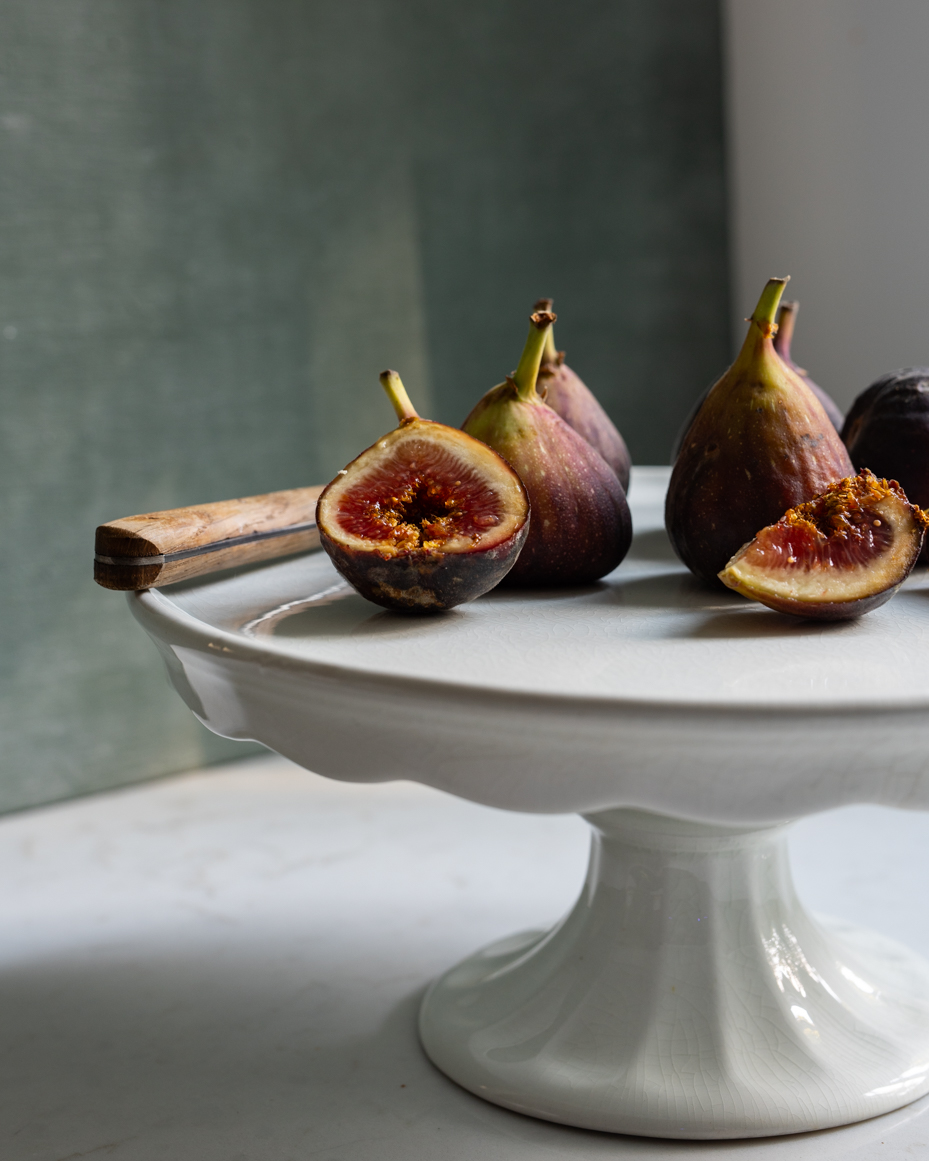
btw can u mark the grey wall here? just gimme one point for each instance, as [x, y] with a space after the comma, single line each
[219, 219]
[829, 123]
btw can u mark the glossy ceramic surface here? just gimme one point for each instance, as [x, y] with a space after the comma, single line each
[687, 995]
[645, 690]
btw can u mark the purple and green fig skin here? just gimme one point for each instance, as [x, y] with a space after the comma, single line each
[424, 561]
[786, 320]
[566, 393]
[760, 444]
[887, 430]
[581, 525]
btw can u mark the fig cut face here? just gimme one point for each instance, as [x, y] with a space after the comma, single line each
[841, 554]
[426, 518]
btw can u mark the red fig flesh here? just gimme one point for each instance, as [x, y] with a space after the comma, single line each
[425, 519]
[581, 526]
[566, 393]
[840, 555]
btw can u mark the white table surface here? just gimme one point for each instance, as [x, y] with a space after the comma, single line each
[226, 966]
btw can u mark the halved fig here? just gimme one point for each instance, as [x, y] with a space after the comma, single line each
[425, 519]
[841, 554]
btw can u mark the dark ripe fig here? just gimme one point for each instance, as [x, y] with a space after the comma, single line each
[425, 519]
[760, 444]
[786, 320]
[581, 526]
[565, 392]
[887, 430]
[840, 555]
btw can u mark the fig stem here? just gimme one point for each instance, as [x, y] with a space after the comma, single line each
[393, 385]
[786, 317]
[526, 374]
[765, 312]
[550, 354]
[549, 351]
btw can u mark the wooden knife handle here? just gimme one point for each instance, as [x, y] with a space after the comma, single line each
[146, 552]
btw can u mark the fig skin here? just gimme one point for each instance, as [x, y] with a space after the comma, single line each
[786, 320]
[426, 582]
[581, 525]
[887, 430]
[424, 567]
[566, 393]
[760, 444]
[779, 567]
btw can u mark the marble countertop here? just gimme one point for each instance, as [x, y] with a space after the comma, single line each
[226, 966]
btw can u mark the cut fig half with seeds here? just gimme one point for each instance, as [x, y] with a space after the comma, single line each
[425, 519]
[837, 556]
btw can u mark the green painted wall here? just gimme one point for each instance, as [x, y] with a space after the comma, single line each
[219, 219]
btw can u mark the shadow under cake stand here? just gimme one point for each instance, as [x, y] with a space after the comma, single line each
[688, 993]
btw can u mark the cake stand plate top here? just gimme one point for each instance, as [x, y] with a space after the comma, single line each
[646, 689]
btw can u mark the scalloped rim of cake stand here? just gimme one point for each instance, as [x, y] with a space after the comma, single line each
[539, 752]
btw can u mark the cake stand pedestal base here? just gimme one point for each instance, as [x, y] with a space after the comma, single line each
[687, 994]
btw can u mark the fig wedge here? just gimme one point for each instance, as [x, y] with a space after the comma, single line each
[837, 556]
[425, 519]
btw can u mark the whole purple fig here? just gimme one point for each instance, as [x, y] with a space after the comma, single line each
[760, 444]
[786, 320]
[887, 430]
[581, 527]
[565, 392]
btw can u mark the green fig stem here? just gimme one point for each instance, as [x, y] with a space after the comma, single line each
[765, 312]
[786, 317]
[526, 374]
[393, 385]
[550, 353]
[759, 342]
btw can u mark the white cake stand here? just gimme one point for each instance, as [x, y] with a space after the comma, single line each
[687, 994]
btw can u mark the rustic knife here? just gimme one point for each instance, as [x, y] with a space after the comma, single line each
[159, 548]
